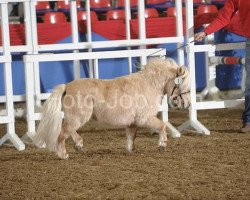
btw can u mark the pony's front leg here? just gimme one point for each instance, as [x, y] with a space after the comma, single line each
[159, 127]
[131, 134]
[77, 140]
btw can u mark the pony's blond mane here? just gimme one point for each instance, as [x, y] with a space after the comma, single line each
[158, 71]
[158, 65]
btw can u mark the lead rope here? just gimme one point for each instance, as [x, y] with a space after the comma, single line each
[137, 64]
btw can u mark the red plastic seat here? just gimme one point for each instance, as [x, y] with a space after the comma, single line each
[54, 17]
[64, 6]
[151, 13]
[101, 6]
[82, 15]
[115, 15]
[100, 3]
[42, 7]
[171, 11]
[201, 9]
[133, 3]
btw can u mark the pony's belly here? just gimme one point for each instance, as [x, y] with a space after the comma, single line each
[115, 119]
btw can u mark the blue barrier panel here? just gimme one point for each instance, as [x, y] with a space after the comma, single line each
[1, 80]
[229, 76]
[112, 68]
[17, 76]
[54, 73]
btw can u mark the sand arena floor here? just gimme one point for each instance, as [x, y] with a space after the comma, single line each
[192, 167]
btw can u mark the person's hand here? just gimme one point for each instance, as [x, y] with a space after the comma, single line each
[199, 36]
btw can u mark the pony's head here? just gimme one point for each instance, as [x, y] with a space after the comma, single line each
[171, 79]
[179, 93]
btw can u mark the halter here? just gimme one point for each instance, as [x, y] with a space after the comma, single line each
[180, 93]
[178, 81]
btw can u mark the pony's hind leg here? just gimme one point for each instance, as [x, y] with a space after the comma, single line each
[75, 117]
[159, 127]
[68, 127]
[75, 136]
[131, 134]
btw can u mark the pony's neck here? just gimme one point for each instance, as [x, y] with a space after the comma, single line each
[157, 82]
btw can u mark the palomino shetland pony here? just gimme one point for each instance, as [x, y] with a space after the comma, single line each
[131, 101]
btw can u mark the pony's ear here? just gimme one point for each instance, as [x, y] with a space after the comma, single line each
[182, 71]
[181, 74]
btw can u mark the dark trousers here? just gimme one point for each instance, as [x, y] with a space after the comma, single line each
[246, 113]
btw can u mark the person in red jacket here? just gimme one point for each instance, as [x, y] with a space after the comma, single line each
[230, 8]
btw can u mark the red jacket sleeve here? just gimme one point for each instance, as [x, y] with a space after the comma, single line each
[224, 17]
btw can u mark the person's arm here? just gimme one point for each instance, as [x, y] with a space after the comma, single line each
[224, 17]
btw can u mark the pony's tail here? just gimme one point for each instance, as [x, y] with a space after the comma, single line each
[50, 124]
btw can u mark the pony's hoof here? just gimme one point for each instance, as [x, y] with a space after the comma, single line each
[162, 148]
[63, 156]
[130, 151]
[162, 144]
[79, 148]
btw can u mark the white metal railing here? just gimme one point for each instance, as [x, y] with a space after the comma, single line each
[6, 60]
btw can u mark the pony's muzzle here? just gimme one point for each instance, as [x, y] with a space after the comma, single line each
[186, 107]
[173, 102]
[177, 102]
